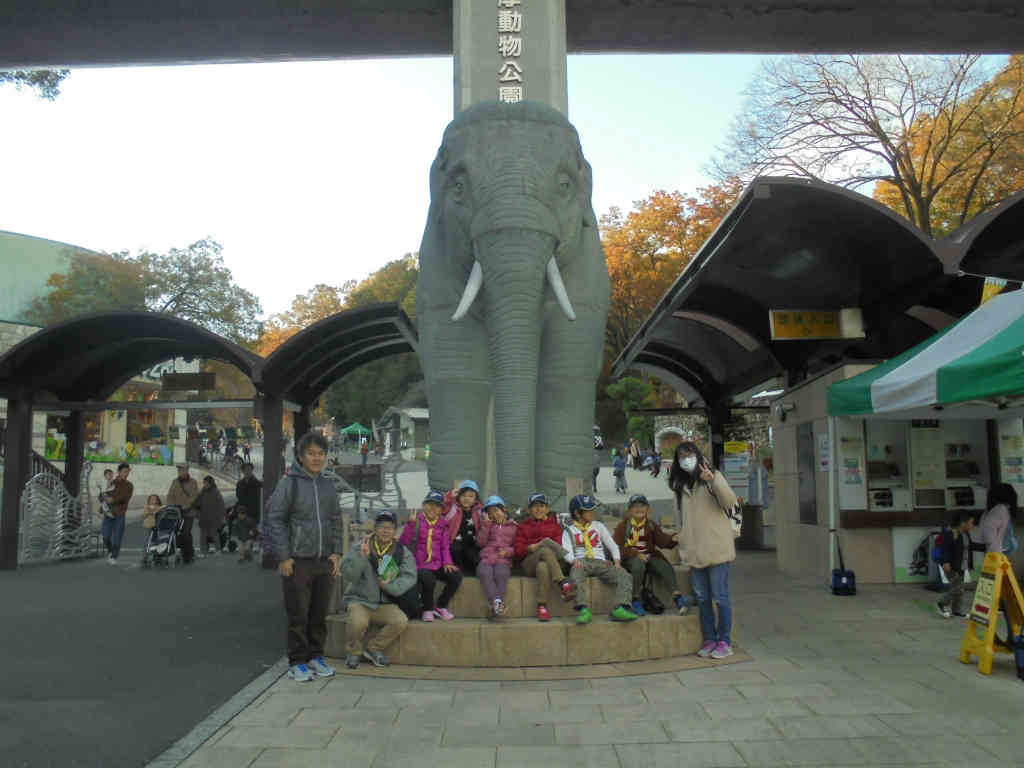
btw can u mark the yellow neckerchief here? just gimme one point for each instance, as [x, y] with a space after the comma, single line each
[381, 552]
[430, 535]
[586, 539]
[635, 529]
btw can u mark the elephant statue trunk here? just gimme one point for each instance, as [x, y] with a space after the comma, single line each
[511, 303]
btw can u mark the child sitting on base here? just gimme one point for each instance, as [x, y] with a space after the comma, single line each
[243, 529]
[462, 515]
[639, 537]
[496, 536]
[585, 542]
[538, 557]
[426, 536]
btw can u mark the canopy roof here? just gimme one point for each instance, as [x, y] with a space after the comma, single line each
[314, 358]
[979, 362]
[794, 244]
[90, 357]
[990, 244]
[355, 428]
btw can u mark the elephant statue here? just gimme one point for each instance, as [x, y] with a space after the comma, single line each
[511, 302]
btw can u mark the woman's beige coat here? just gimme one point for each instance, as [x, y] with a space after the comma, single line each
[706, 538]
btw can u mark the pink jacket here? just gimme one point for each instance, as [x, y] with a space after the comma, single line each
[442, 554]
[493, 538]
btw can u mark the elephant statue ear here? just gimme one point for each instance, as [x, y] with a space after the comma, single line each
[586, 175]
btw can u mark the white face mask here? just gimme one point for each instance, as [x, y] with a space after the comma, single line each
[688, 464]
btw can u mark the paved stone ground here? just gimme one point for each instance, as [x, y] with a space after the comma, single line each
[869, 680]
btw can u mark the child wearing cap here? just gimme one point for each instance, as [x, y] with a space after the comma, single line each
[462, 514]
[426, 535]
[585, 542]
[540, 560]
[639, 539]
[496, 536]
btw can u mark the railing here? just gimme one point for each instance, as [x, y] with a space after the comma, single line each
[54, 524]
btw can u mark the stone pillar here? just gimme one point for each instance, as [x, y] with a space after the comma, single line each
[18, 451]
[510, 50]
[719, 416]
[303, 421]
[272, 413]
[74, 429]
[179, 444]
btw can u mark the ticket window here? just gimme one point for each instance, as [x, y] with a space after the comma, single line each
[888, 466]
[965, 444]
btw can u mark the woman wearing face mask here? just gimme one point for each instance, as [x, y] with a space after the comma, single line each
[706, 540]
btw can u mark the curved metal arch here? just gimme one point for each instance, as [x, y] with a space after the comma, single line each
[103, 350]
[960, 248]
[337, 370]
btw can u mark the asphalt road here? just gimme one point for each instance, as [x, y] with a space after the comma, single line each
[106, 666]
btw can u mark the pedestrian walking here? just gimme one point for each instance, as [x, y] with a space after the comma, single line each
[996, 524]
[183, 493]
[210, 505]
[249, 492]
[113, 526]
[619, 471]
[708, 548]
[305, 530]
[955, 557]
[364, 449]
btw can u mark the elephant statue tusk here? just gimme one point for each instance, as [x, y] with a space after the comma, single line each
[473, 286]
[558, 287]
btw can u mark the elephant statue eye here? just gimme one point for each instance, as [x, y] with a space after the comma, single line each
[565, 184]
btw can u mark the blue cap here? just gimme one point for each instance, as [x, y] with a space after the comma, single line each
[435, 496]
[638, 498]
[386, 516]
[494, 501]
[469, 485]
[582, 503]
[537, 498]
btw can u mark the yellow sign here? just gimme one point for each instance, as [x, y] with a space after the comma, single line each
[997, 588]
[993, 287]
[806, 325]
[736, 447]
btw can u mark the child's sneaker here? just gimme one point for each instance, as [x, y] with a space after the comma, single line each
[428, 616]
[568, 590]
[638, 608]
[321, 668]
[543, 614]
[584, 616]
[944, 611]
[681, 606]
[445, 614]
[352, 661]
[376, 658]
[722, 651]
[706, 649]
[300, 673]
[622, 613]
[499, 607]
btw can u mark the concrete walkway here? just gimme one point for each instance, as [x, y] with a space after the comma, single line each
[868, 680]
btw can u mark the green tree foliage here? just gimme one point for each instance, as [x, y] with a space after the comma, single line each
[191, 283]
[45, 82]
[633, 394]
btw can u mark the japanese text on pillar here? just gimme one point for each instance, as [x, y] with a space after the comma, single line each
[510, 46]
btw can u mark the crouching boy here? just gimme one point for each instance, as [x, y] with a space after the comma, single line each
[378, 575]
[585, 541]
[640, 539]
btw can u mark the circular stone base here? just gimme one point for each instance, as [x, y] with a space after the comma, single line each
[527, 674]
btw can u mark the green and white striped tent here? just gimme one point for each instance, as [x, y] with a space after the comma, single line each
[976, 367]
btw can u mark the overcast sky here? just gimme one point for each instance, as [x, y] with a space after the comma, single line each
[318, 171]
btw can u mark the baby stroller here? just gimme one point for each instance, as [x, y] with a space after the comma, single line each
[161, 547]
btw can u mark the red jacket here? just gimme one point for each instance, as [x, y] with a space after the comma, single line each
[532, 530]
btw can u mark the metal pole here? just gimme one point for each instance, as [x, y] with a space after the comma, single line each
[18, 450]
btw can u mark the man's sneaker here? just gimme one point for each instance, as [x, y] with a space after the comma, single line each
[622, 613]
[428, 615]
[638, 608]
[584, 616]
[445, 614]
[722, 651]
[352, 661]
[568, 590]
[681, 605]
[376, 658]
[706, 649]
[543, 614]
[111, 560]
[321, 668]
[944, 611]
[300, 673]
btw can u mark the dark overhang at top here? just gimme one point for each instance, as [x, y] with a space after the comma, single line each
[90, 357]
[314, 358]
[991, 244]
[795, 244]
[53, 33]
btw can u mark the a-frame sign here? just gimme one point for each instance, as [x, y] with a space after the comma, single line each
[997, 586]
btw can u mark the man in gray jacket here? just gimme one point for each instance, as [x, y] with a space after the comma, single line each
[377, 576]
[305, 531]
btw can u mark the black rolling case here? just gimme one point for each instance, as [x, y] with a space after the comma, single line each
[844, 582]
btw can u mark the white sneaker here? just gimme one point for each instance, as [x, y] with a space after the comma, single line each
[112, 560]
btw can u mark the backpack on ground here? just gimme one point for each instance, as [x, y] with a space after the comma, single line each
[844, 582]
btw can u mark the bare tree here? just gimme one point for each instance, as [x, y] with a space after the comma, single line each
[917, 123]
